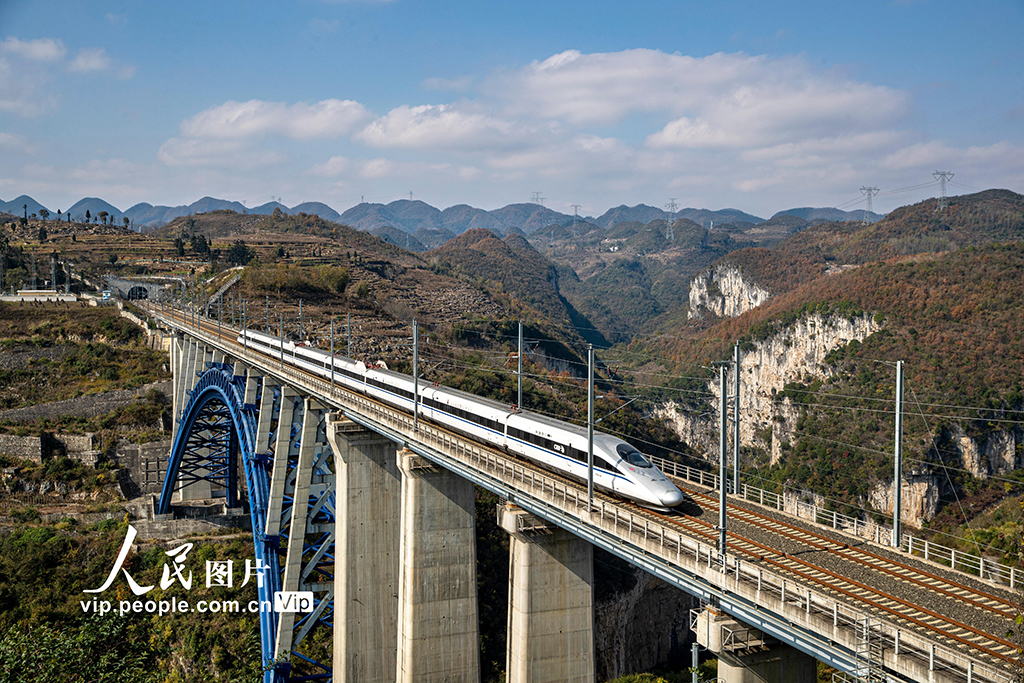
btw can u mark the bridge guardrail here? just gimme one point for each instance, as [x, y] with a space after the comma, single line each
[640, 533]
[976, 565]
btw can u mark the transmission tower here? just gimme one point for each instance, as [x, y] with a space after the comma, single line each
[942, 177]
[575, 218]
[671, 207]
[868, 192]
[537, 198]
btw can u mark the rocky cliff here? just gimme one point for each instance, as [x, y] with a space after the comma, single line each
[722, 291]
[793, 354]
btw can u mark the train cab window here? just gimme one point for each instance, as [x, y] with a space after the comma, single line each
[632, 456]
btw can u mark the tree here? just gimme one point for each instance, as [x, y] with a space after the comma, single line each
[58, 215]
[280, 251]
[112, 258]
[88, 216]
[44, 213]
[103, 215]
[25, 207]
[125, 220]
[42, 234]
[239, 254]
[200, 245]
[179, 246]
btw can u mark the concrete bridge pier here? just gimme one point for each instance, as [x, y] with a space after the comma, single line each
[367, 523]
[745, 655]
[551, 604]
[438, 634]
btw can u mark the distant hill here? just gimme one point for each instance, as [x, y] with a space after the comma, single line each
[317, 209]
[812, 250]
[94, 205]
[461, 217]
[14, 207]
[821, 215]
[144, 214]
[399, 238]
[516, 274]
[643, 213]
[268, 208]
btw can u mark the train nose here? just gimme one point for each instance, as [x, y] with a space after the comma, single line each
[672, 498]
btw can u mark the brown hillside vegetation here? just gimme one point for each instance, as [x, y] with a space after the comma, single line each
[954, 318]
[513, 272]
[969, 220]
[992, 215]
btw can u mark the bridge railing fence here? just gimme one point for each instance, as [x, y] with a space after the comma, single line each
[639, 532]
[789, 502]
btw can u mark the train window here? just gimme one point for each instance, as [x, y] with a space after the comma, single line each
[632, 455]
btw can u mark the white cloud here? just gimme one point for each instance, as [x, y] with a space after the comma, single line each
[718, 101]
[441, 127]
[13, 141]
[377, 168]
[988, 161]
[90, 59]
[24, 90]
[104, 170]
[234, 154]
[117, 19]
[381, 168]
[334, 166]
[38, 50]
[326, 119]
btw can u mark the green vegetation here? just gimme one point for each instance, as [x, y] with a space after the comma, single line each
[295, 281]
[58, 353]
[48, 637]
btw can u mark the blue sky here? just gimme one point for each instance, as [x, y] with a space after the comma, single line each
[757, 106]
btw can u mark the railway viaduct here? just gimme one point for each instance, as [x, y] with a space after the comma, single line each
[371, 514]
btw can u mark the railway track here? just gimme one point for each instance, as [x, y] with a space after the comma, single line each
[945, 610]
[915, 575]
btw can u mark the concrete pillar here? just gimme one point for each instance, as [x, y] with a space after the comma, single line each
[550, 602]
[778, 664]
[437, 630]
[745, 655]
[291, 577]
[282, 449]
[366, 552]
[177, 347]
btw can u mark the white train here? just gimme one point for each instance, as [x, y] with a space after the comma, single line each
[619, 468]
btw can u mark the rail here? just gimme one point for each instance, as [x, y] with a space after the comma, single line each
[984, 568]
[630, 530]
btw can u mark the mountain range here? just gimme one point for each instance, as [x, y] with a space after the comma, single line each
[429, 224]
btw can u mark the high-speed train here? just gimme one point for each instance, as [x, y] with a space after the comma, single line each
[619, 468]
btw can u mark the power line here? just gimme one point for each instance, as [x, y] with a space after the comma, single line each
[942, 177]
[868, 192]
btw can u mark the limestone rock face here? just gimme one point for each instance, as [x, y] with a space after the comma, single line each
[994, 453]
[920, 494]
[794, 354]
[642, 628]
[723, 291]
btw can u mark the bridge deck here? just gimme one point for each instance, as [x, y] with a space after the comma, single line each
[768, 587]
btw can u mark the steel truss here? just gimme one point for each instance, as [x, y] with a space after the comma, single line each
[228, 416]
